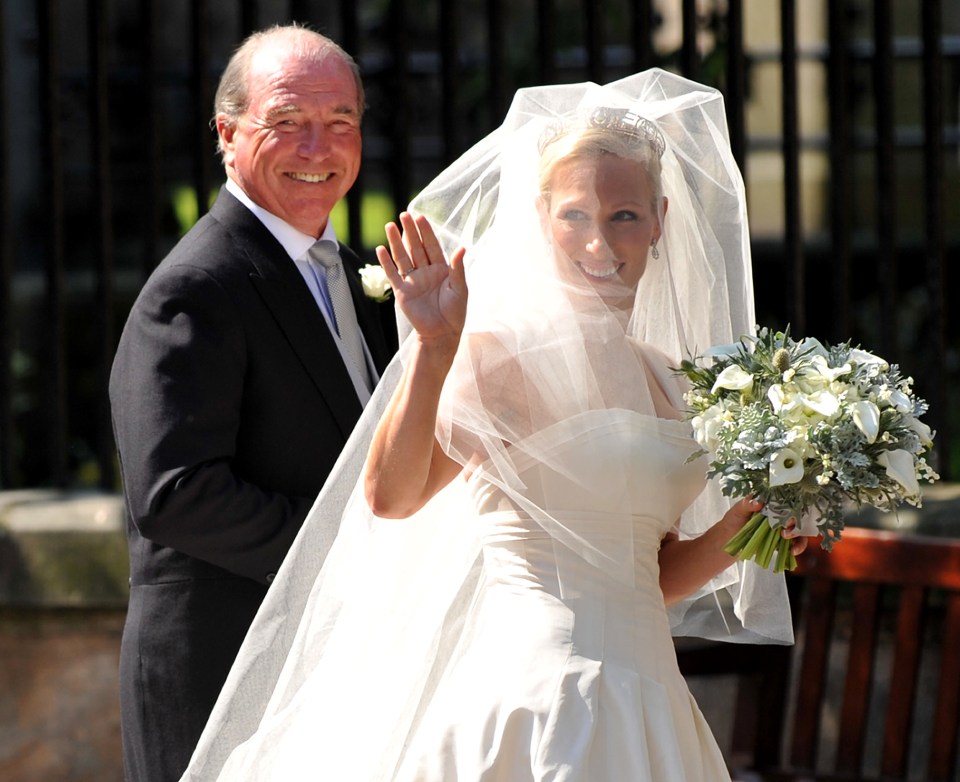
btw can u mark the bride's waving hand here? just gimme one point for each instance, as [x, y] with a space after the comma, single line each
[406, 465]
[431, 293]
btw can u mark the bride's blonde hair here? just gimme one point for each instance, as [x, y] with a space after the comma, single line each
[592, 141]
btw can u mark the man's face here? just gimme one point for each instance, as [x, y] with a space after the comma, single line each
[296, 151]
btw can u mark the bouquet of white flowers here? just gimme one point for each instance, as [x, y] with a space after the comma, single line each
[805, 428]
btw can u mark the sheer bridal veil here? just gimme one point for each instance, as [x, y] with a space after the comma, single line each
[366, 613]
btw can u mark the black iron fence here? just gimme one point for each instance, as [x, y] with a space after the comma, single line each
[843, 115]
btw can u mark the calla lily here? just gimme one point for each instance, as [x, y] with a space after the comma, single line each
[922, 430]
[899, 466]
[863, 357]
[779, 400]
[706, 427]
[866, 415]
[796, 438]
[811, 347]
[786, 467]
[829, 372]
[821, 402]
[734, 379]
[899, 400]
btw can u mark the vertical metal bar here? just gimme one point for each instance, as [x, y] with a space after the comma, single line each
[546, 41]
[299, 10]
[399, 83]
[689, 56]
[350, 42]
[642, 34]
[496, 61]
[593, 27]
[885, 161]
[6, 283]
[249, 18]
[450, 43]
[55, 386]
[200, 93]
[841, 165]
[103, 196]
[793, 254]
[152, 151]
[936, 385]
[736, 89]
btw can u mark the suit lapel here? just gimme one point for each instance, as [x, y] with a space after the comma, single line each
[281, 288]
[368, 314]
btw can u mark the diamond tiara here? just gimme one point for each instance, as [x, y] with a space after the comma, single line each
[625, 121]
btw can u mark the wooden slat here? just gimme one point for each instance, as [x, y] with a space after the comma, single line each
[879, 565]
[887, 558]
[946, 719]
[859, 675]
[903, 682]
[818, 623]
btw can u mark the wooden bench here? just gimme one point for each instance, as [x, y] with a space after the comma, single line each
[871, 691]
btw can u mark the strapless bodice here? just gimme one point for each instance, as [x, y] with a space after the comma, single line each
[568, 665]
[605, 483]
[614, 462]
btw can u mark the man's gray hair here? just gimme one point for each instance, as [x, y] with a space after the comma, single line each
[233, 98]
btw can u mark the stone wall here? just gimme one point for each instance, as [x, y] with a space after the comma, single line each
[63, 594]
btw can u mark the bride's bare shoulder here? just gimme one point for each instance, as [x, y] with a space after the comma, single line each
[667, 384]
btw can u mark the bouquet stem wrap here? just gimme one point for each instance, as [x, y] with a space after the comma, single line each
[758, 539]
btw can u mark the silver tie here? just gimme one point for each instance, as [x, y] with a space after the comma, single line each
[325, 253]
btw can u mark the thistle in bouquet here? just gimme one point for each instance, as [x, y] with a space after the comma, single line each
[807, 429]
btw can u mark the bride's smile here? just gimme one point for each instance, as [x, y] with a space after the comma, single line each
[604, 218]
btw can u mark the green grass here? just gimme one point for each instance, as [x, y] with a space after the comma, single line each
[377, 209]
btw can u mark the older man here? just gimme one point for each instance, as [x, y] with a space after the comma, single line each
[244, 365]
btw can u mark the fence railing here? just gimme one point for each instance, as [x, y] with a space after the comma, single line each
[106, 156]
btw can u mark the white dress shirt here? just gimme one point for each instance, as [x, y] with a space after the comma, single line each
[296, 244]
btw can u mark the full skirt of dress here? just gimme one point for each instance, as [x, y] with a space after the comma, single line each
[553, 660]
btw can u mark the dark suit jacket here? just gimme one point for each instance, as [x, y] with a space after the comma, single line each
[230, 404]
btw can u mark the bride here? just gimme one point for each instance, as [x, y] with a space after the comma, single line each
[522, 527]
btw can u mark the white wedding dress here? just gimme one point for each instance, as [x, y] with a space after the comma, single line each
[569, 671]
[563, 668]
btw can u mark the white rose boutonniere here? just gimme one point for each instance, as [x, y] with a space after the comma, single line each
[375, 282]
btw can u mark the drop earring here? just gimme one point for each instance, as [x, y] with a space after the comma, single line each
[653, 250]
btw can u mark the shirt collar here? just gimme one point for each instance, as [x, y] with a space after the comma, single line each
[296, 243]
